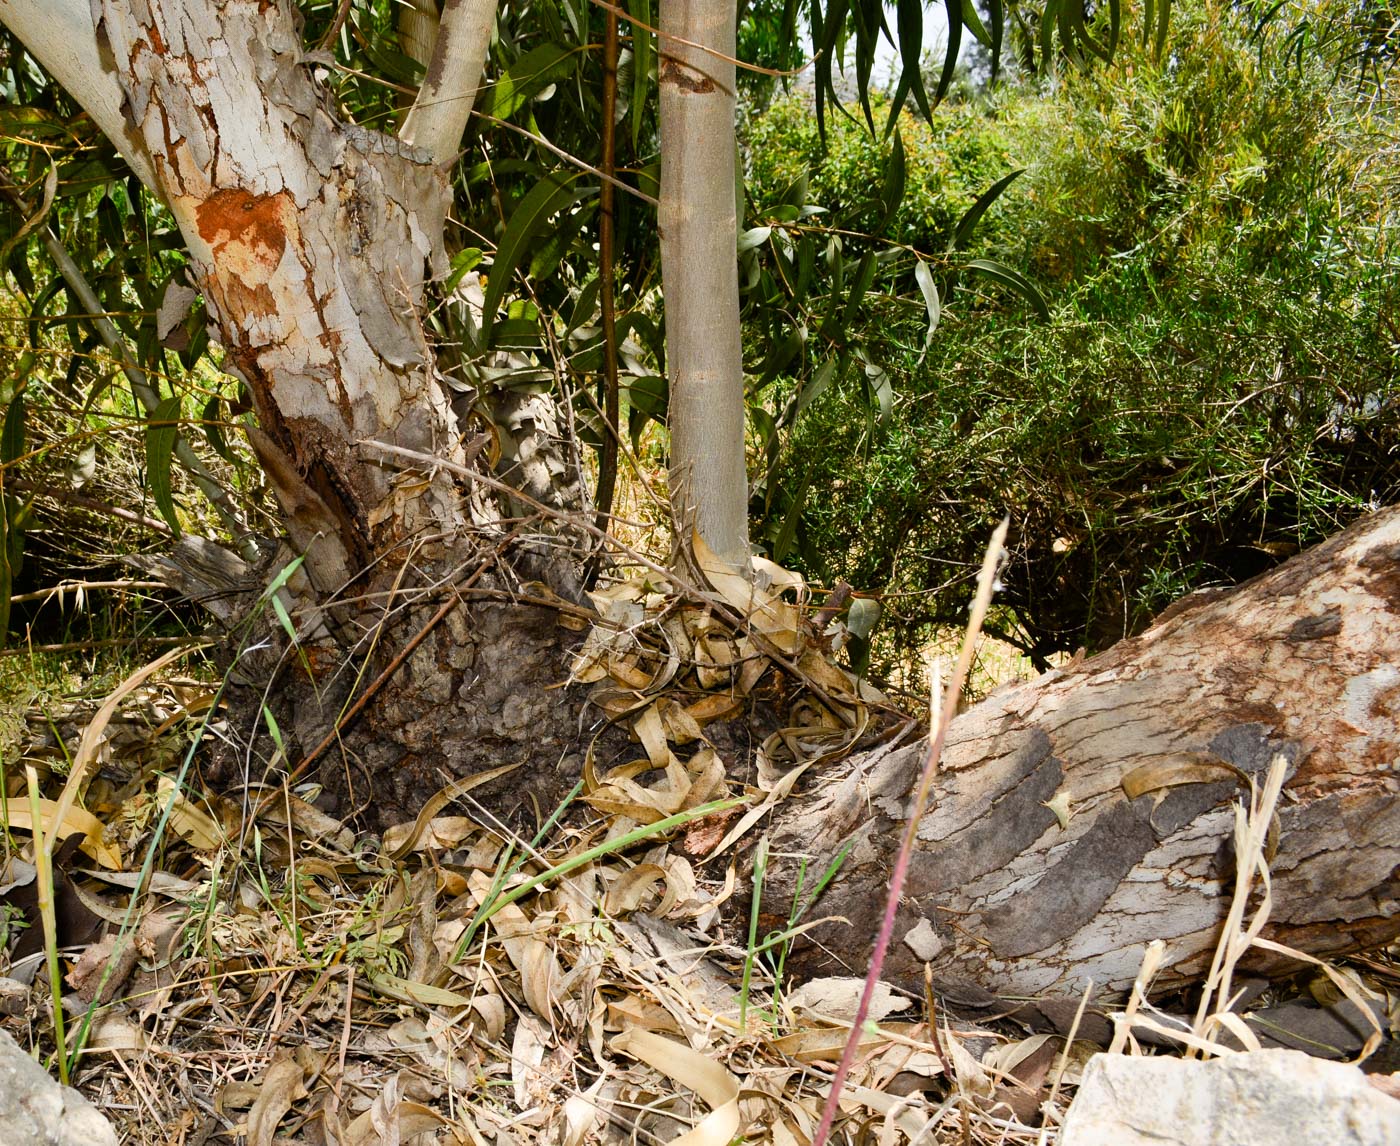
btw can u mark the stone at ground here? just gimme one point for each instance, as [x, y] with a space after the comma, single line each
[1259, 1099]
[36, 1110]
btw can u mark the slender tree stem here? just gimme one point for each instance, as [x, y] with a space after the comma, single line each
[607, 229]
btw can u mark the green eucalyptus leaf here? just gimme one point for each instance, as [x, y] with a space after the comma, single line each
[161, 434]
[536, 70]
[641, 12]
[950, 58]
[892, 193]
[973, 22]
[1000, 273]
[552, 194]
[962, 233]
[909, 19]
[782, 544]
[923, 275]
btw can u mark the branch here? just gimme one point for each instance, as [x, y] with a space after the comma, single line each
[61, 36]
[440, 112]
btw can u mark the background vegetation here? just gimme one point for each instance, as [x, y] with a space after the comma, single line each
[1214, 385]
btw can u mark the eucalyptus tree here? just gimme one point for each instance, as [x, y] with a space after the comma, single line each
[398, 413]
[399, 429]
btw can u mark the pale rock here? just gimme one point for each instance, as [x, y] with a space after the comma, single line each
[1264, 1098]
[36, 1110]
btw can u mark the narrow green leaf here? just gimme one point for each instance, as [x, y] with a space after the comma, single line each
[962, 233]
[161, 433]
[950, 58]
[783, 542]
[806, 266]
[865, 277]
[641, 13]
[998, 19]
[910, 22]
[892, 193]
[553, 193]
[829, 371]
[529, 75]
[973, 22]
[999, 272]
[780, 356]
[1115, 25]
[878, 380]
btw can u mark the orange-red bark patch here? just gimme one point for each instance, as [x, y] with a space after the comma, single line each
[247, 233]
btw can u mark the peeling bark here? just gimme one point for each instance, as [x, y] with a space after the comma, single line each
[1304, 661]
[311, 240]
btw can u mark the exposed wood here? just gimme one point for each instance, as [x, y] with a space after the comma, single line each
[1304, 661]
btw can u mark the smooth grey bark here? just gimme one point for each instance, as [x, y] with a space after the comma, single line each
[699, 268]
[455, 66]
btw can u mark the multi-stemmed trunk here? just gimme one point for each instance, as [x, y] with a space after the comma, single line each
[313, 242]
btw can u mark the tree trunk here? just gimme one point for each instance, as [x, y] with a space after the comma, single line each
[313, 241]
[700, 274]
[1303, 661]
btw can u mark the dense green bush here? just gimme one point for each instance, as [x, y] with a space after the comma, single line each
[1216, 385]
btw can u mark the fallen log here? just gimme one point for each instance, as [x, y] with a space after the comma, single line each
[1078, 816]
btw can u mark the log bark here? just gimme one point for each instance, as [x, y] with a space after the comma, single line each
[1303, 661]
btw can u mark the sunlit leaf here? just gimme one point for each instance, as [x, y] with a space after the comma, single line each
[924, 277]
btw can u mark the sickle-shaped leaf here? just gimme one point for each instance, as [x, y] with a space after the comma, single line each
[973, 23]
[532, 73]
[552, 193]
[869, 16]
[161, 432]
[999, 272]
[963, 231]
[950, 59]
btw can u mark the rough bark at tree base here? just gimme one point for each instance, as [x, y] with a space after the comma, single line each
[1303, 661]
